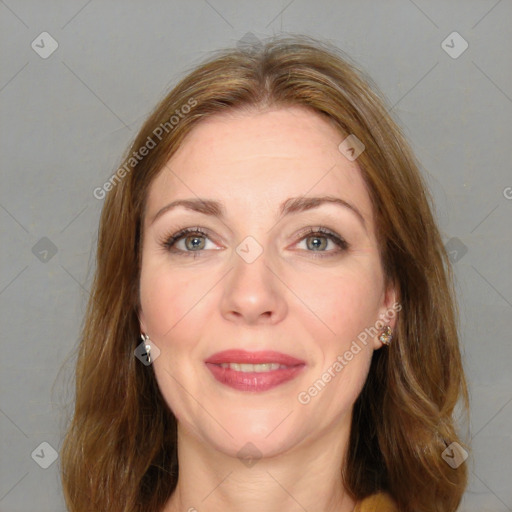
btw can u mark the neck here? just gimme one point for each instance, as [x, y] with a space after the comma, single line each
[307, 477]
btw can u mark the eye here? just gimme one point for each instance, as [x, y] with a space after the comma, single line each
[317, 239]
[194, 241]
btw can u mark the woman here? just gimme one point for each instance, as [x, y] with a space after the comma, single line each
[272, 324]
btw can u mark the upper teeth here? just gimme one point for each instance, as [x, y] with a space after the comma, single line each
[265, 367]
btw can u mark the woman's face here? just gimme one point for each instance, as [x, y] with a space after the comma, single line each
[260, 278]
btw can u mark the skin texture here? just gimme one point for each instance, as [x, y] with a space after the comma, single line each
[289, 299]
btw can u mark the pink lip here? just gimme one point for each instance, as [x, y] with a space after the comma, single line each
[253, 381]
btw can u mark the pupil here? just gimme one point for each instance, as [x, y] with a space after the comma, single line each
[194, 240]
[317, 242]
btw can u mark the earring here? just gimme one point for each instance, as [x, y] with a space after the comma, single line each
[386, 336]
[146, 340]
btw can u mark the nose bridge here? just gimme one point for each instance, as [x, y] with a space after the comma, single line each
[251, 288]
[251, 271]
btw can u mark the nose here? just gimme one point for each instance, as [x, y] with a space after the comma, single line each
[253, 292]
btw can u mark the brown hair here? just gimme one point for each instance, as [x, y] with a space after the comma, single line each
[119, 452]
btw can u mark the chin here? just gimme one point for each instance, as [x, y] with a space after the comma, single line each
[248, 444]
[247, 432]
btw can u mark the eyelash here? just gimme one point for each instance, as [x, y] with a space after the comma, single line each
[168, 242]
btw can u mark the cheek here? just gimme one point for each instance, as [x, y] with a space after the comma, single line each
[344, 302]
[166, 297]
[169, 302]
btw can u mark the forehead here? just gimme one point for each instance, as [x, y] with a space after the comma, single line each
[256, 160]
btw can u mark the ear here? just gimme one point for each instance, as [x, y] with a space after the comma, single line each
[142, 321]
[388, 312]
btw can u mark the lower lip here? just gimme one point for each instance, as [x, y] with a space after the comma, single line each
[253, 381]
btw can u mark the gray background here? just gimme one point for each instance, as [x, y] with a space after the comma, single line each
[66, 120]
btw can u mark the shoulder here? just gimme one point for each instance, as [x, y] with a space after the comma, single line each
[380, 502]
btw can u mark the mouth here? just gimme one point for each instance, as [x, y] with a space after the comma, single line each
[253, 371]
[250, 368]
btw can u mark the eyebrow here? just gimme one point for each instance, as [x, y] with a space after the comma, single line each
[290, 206]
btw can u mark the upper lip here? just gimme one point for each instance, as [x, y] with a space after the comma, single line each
[253, 357]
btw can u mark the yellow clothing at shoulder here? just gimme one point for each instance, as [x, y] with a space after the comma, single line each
[380, 502]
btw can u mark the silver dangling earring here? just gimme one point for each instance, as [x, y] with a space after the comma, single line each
[386, 336]
[146, 340]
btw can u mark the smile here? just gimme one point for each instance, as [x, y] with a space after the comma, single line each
[253, 371]
[248, 368]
